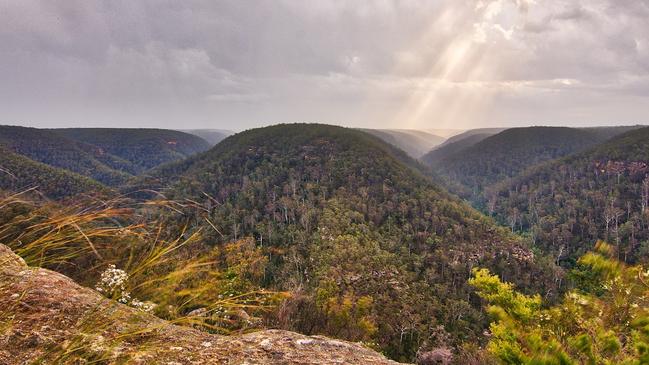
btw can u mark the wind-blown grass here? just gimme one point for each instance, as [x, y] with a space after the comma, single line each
[189, 283]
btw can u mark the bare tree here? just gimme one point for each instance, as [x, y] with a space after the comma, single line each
[644, 199]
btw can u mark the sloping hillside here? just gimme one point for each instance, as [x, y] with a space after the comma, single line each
[508, 153]
[415, 143]
[58, 151]
[457, 143]
[568, 204]
[369, 247]
[144, 148]
[19, 173]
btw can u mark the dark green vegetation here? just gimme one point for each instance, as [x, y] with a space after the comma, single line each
[458, 143]
[414, 142]
[369, 249]
[143, 148]
[55, 159]
[568, 204]
[470, 171]
[19, 173]
[50, 148]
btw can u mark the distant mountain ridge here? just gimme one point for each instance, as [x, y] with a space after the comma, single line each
[469, 133]
[51, 148]
[414, 142]
[444, 133]
[448, 149]
[58, 158]
[144, 148]
[19, 173]
[508, 153]
[461, 141]
[212, 136]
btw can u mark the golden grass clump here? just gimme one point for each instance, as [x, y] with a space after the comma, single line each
[171, 269]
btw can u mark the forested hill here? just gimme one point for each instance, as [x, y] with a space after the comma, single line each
[414, 142]
[58, 151]
[277, 137]
[19, 173]
[368, 247]
[471, 137]
[569, 203]
[508, 153]
[144, 148]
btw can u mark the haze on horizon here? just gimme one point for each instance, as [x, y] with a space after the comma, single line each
[376, 64]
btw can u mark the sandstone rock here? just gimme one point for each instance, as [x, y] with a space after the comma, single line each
[45, 317]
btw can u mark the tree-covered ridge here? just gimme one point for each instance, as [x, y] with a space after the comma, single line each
[144, 148]
[277, 138]
[58, 151]
[19, 173]
[602, 193]
[506, 154]
[369, 248]
[463, 141]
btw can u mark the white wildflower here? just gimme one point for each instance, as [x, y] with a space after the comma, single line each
[113, 283]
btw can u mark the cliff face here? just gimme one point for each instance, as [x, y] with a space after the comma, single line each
[46, 317]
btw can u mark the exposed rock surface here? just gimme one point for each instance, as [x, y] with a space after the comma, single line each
[46, 317]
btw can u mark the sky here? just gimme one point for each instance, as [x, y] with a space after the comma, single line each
[375, 63]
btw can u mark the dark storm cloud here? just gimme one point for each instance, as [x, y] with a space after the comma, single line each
[237, 64]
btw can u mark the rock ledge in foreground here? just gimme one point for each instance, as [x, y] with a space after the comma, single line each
[46, 316]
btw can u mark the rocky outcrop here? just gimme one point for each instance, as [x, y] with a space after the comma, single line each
[47, 318]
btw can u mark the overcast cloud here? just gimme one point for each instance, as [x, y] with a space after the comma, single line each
[404, 64]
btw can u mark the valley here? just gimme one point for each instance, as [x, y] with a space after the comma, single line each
[324, 182]
[324, 230]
